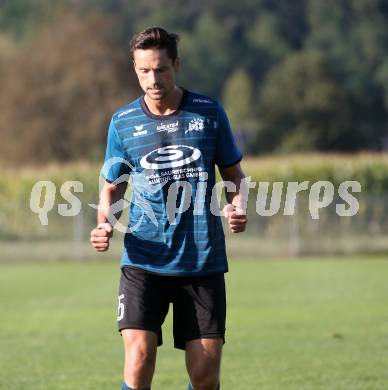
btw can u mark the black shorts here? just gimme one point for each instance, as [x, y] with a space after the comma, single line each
[199, 304]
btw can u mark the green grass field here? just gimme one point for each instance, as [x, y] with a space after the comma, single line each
[292, 325]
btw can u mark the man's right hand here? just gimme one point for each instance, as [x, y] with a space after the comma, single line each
[99, 237]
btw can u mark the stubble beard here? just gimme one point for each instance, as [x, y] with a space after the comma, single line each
[161, 95]
[152, 96]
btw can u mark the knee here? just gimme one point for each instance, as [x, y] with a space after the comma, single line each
[139, 366]
[140, 355]
[204, 379]
[140, 348]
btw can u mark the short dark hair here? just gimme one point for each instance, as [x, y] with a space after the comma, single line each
[158, 38]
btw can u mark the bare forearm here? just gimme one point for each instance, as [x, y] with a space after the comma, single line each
[234, 198]
[237, 196]
[109, 210]
[234, 175]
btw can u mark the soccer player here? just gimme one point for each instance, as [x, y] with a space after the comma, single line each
[168, 142]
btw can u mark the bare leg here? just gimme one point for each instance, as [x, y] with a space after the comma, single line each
[140, 357]
[203, 361]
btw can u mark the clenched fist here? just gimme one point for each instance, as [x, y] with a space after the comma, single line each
[237, 218]
[99, 237]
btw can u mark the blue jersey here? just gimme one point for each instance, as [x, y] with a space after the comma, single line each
[174, 227]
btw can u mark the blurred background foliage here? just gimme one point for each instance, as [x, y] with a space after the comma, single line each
[306, 75]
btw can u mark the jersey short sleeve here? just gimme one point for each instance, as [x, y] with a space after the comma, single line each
[115, 164]
[227, 152]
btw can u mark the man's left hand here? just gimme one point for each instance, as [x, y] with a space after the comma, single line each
[237, 218]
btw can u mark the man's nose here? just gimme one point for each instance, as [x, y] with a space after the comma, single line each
[154, 77]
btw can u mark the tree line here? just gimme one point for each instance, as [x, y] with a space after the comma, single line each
[293, 76]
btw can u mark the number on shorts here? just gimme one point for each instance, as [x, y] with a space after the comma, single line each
[120, 309]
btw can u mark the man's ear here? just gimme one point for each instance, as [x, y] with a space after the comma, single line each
[177, 64]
